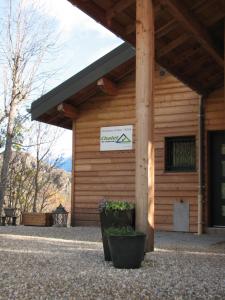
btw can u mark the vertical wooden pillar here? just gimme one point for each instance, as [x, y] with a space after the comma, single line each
[144, 120]
[72, 174]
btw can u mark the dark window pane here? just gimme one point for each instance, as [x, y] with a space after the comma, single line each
[180, 153]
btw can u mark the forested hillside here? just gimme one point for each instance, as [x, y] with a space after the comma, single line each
[28, 183]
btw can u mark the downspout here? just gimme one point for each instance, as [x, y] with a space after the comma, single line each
[201, 163]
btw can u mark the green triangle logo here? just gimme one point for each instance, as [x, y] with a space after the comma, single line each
[123, 139]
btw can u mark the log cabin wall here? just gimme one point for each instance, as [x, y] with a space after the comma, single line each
[102, 175]
[214, 121]
[176, 114]
[111, 175]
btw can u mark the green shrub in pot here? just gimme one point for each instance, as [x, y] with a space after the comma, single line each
[116, 214]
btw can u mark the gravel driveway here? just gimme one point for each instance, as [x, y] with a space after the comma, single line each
[67, 263]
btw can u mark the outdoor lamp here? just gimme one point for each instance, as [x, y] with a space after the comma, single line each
[60, 216]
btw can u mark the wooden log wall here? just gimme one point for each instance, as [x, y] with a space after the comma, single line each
[102, 175]
[176, 114]
[111, 175]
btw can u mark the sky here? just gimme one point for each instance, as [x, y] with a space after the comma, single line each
[81, 40]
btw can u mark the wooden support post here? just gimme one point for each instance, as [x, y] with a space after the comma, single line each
[145, 52]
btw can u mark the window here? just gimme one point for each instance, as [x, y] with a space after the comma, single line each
[180, 154]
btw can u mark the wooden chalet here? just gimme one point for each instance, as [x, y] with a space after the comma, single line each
[171, 91]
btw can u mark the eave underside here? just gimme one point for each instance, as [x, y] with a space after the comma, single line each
[54, 117]
[188, 34]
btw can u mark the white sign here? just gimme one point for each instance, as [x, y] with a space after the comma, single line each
[116, 138]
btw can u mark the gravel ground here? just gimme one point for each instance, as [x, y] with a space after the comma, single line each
[67, 263]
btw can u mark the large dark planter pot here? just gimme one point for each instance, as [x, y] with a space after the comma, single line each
[114, 219]
[127, 251]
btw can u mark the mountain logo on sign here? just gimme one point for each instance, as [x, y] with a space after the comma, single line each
[123, 139]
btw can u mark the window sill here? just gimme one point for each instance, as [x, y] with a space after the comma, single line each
[180, 172]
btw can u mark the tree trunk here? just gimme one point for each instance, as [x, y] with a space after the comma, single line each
[36, 184]
[7, 154]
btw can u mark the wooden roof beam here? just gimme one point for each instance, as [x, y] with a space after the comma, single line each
[107, 86]
[172, 45]
[130, 28]
[187, 55]
[192, 25]
[222, 5]
[163, 30]
[67, 110]
[117, 8]
[99, 14]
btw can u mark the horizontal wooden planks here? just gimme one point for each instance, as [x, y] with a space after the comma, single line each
[111, 175]
[215, 111]
[176, 114]
[103, 175]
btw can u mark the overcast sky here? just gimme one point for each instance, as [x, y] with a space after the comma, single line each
[82, 42]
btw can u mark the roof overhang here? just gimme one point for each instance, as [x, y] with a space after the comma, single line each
[77, 89]
[189, 35]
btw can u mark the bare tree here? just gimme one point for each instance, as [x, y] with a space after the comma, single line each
[19, 191]
[24, 43]
[46, 137]
[35, 181]
[42, 138]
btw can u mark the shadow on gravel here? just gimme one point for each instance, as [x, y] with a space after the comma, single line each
[91, 234]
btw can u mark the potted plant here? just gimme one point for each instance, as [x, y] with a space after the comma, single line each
[126, 247]
[116, 214]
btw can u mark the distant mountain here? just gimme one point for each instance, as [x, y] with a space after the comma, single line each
[66, 164]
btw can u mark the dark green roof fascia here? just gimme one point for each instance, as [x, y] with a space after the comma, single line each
[82, 79]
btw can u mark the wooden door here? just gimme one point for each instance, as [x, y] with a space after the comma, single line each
[217, 181]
